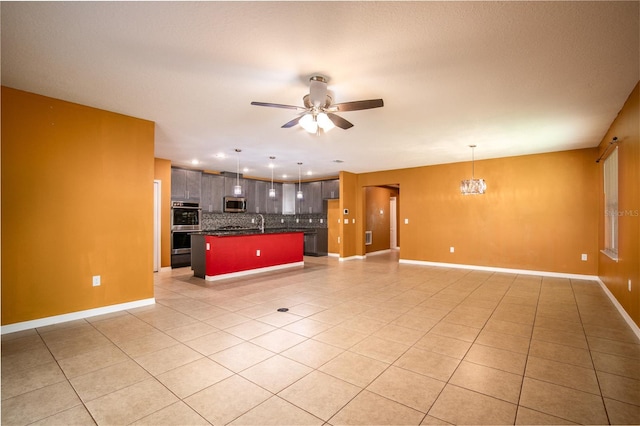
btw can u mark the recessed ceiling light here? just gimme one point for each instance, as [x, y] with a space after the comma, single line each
[220, 155]
[338, 161]
[245, 170]
[284, 176]
[309, 173]
[194, 162]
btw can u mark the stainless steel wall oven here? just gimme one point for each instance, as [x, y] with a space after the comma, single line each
[185, 216]
[185, 219]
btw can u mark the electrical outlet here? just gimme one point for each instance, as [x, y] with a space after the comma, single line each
[281, 220]
[584, 257]
[629, 283]
[253, 220]
[96, 280]
[406, 221]
[452, 249]
[321, 220]
[310, 220]
[258, 253]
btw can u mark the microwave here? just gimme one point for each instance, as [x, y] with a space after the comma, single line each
[235, 205]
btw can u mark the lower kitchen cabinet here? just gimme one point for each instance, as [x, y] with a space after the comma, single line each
[316, 242]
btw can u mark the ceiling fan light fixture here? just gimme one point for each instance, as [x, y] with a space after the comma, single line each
[325, 122]
[309, 123]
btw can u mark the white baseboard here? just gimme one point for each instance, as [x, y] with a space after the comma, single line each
[625, 315]
[373, 253]
[252, 271]
[333, 254]
[505, 270]
[342, 259]
[56, 319]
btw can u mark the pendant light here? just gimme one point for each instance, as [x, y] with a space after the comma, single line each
[299, 194]
[272, 191]
[473, 186]
[237, 189]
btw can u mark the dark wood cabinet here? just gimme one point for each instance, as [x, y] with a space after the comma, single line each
[331, 189]
[316, 242]
[211, 199]
[231, 182]
[185, 185]
[312, 198]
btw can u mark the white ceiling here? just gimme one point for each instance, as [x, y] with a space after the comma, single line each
[511, 77]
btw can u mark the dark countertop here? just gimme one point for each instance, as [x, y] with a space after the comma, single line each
[254, 231]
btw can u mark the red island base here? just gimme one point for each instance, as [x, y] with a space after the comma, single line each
[237, 255]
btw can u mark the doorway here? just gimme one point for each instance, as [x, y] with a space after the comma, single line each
[393, 223]
[157, 191]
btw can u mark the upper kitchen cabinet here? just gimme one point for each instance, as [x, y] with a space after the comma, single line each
[331, 189]
[261, 202]
[185, 185]
[312, 198]
[274, 204]
[230, 182]
[289, 202]
[250, 195]
[212, 193]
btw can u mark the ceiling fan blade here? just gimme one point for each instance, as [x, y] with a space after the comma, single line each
[267, 104]
[358, 105]
[292, 122]
[339, 121]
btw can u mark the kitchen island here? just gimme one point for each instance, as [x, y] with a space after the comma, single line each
[222, 255]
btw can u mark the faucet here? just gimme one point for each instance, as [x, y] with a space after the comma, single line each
[261, 223]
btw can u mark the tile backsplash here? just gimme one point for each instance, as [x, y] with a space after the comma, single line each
[212, 221]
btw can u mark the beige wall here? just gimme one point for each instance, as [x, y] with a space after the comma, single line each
[616, 275]
[77, 201]
[162, 172]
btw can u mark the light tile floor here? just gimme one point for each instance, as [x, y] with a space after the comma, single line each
[364, 342]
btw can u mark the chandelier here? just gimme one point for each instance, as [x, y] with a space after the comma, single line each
[473, 186]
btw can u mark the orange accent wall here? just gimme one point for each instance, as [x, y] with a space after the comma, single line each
[162, 172]
[333, 226]
[351, 224]
[536, 214]
[616, 275]
[77, 201]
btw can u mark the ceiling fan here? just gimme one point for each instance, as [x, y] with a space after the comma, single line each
[319, 109]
